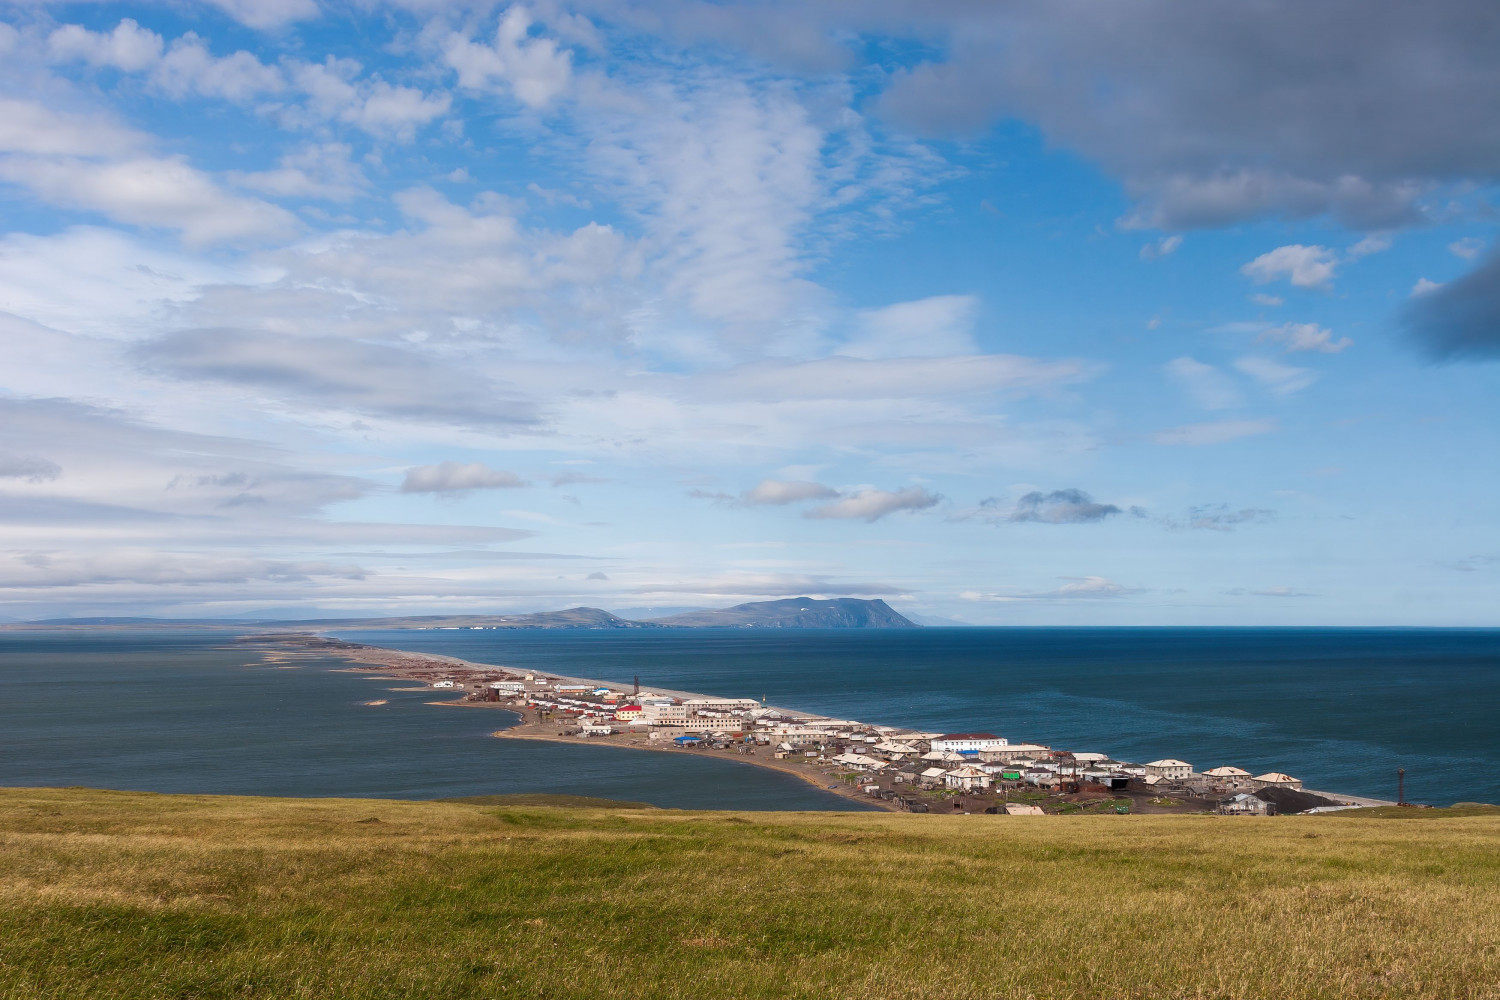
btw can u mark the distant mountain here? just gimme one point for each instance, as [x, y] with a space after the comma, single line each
[651, 614]
[795, 612]
[571, 618]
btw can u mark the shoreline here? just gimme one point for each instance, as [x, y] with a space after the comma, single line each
[379, 661]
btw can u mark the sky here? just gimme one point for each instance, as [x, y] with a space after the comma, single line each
[1074, 313]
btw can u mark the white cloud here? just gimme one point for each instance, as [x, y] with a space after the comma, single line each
[778, 492]
[153, 193]
[1304, 266]
[129, 47]
[335, 91]
[30, 128]
[317, 170]
[1306, 337]
[1424, 286]
[1372, 244]
[871, 504]
[1275, 376]
[1163, 247]
[457, 477]
[535, 69]
[1206, 384]
[1270, 301]
[1468, 248]
[1217, 432]
[933, 327]
[189, 68]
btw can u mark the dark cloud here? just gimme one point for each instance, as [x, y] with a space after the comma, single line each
[336, 372]
[1209, 113]
[1070, 506]
[1222, 517]
[1460, 320]
[1217, 112]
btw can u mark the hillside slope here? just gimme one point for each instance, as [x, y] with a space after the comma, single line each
[118, 895]
[796, 612]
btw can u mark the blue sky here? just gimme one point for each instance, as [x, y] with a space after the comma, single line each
[1003, 313]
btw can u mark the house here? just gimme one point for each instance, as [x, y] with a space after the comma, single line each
[592, 728]
[628, 713]
[443, 684]
[688, 741]
[1170, 768]
[967, 778]
[1016, 809]
[931, 776]
[969, 742]
[1275, 779]
[1226, 775]
[1246, 805]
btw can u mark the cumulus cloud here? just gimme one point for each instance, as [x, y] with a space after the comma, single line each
[458, 477]
[1163, 247]
[1459, 320]
[1303, 266]
[1468, 248]
[1068, 506]
[537, 70]
[128, 47]
[1306, 337]
[871, 504]
[1215, 432]
[777, 492]
[1210, 387]
[1283, 380]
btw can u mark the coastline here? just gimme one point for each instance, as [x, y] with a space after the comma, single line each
[394, 664]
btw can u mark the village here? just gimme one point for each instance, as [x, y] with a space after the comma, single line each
[889, 767]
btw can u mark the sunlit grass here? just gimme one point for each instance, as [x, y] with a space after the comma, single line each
[107, 894]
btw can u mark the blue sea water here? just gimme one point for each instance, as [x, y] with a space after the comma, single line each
[180, 712]
[187, 712]
[1341, 709]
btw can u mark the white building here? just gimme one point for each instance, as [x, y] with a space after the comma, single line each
[1170, 768]
[969, 742]
[967, 778]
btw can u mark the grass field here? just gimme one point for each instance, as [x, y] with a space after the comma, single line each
[111, 894]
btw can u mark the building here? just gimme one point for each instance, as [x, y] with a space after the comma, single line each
[967, 778]
[628, 713]
[1014, 751]
[1227, 774]
[1275, 779]
[1246, 805]
[1170, 768]
[968, 742]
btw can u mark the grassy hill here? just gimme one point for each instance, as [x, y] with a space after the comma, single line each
[110, 894]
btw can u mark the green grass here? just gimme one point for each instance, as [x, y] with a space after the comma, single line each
[112, 895]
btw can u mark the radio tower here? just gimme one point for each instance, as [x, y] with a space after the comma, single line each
[637, 691]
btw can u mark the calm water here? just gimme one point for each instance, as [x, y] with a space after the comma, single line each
[173, 712]
[1339, 708]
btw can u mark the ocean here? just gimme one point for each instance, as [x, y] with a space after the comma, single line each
[1341, 709]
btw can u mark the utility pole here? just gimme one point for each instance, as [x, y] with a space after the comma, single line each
[1400, 786]
[637, 691]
